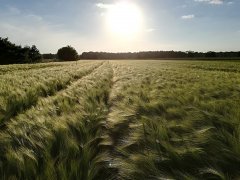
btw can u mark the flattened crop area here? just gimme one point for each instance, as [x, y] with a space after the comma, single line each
[120, 120]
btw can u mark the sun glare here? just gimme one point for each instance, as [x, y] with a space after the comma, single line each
[124, 19]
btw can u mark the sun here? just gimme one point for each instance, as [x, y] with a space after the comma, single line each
[124, 19]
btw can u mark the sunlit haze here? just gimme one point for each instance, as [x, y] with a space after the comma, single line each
[124, 20]
[122, 25]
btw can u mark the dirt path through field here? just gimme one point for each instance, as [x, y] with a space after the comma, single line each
[117, 118]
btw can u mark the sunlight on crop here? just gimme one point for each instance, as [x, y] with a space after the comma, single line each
[120, 119]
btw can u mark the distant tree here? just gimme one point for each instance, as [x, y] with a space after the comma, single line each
[211, 54]
[49, 56]
[158, 55]
[67, 53]
[34, 54]
[191, 54]
[238, 54]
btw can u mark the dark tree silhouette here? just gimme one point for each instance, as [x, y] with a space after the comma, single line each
[13, 54]
[49, 56]
[160, 55]
[34, 54]
[211, 54]
[67, 53]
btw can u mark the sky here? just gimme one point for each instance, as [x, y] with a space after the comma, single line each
[196, 25]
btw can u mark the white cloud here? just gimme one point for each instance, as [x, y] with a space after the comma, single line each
[13, 10]
[190, 16]
[202, 0]
[215, 2]
[230, 3]
[103, 5]
[34, 17]
[150, 30]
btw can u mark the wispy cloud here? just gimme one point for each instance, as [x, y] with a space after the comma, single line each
[13, 10]
[230, 3]
[214, 2]
[28, 29]
[190, 16]
[104, 5]
[150, 30]
[35, 17]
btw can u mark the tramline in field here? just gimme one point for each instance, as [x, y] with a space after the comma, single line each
[21, 89]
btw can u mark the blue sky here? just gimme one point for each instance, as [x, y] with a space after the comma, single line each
[198, 25]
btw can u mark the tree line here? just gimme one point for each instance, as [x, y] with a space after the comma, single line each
[14, 54]
[143, 55]
[11, 53]
[158, 55]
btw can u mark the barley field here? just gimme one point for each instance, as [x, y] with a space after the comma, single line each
[93, 120]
